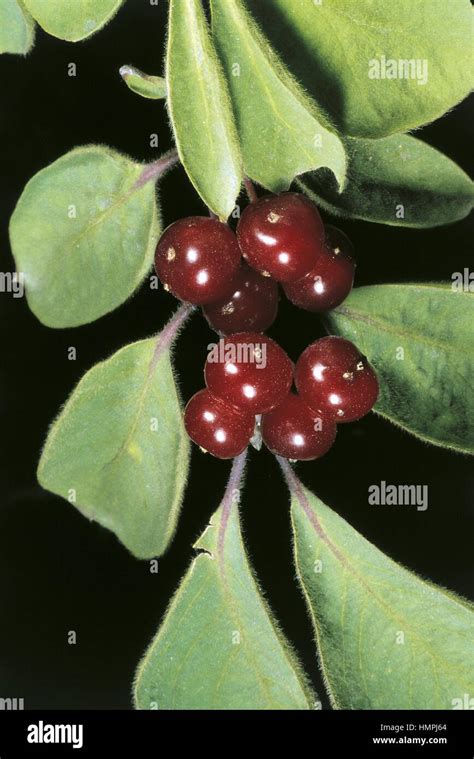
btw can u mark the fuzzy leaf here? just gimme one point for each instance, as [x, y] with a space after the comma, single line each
[152, 87]
[83, 233]
[397, 180]
[200, 109]
[72, 20]
[386, 638]
[336, 48]
[118, 450]
[17, 28]
[419, 338]
[218, 646]
[281, 131]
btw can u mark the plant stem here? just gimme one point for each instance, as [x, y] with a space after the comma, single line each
[250, 189]
[231, 497]
[170, 331]
[156, 169]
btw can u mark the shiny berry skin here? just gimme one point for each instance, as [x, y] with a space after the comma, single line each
[216, 426]
[281, 235]
[250, 371]
[331, 280]
[294, 431]
[334, 377]
[196, 258]
[252, 307]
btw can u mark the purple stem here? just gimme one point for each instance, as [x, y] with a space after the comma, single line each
[250, 189]
[155, 170]
[170, 331]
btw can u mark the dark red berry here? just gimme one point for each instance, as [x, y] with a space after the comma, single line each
[294, 431]
[333, 376]
[281, 235]
[331, 280]
[250, 371]
[252, 307]
[216, 426]
[197, 258]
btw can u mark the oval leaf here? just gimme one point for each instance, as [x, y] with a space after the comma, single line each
[83, 234]
[70, 19]
[386, 639]
[17, 28]
[419, 338]
[200, 108]
[218, 646]
[399, 181]
[119, 451]
[376, 67]
[281, 132]
[152, 87]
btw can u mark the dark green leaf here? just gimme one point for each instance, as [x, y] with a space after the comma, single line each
[336, 48]
[420, 339]
[398, 180]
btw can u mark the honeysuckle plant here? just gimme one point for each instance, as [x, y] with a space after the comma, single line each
[319, 95]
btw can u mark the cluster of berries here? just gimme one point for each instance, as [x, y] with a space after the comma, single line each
[251, 376]
[282, 239]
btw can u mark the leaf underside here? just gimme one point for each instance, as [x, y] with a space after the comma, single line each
[118, 450]
[72, 20]
[83, 234]
[386, 638]
[218, 646]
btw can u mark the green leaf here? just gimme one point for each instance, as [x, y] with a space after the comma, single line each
[72, 20]
[119, 451]
[218, 646]
[336, 48]
[200, 109]
[281, 131]
[386, 639]
[17, 28]
[419, 338]
[398, 180]
[152, 87]
[83, 233]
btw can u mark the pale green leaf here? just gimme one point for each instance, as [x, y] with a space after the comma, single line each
[83, 234]
[17, 28]
[337, 48]
[218, 646]
[72, 20]
[386, 639]
[152, 87]
[397, 180]
[419, 338]
[281, 131]
[200, 109]
[118, 450]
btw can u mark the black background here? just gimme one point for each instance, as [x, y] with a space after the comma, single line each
[58, 572]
